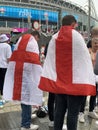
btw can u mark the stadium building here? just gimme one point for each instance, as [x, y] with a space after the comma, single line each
[45, 15]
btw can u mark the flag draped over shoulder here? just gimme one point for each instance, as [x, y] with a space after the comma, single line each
[68, 68]
[23, 73]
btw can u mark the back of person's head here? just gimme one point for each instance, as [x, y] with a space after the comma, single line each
[68, 20]
[34, 33]
[94, 32]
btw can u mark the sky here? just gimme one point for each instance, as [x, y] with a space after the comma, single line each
[85, 3]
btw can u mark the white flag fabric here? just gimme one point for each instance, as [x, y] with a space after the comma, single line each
[68, 67]
[23, 73]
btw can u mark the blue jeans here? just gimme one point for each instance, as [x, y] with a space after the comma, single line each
[68, 103]
[26, 116]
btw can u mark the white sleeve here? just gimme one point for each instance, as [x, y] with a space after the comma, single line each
[8, 52]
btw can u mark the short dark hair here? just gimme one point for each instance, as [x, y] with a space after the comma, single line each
[34, 33]
[68, 20]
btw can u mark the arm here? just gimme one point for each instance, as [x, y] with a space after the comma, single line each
[8, 53]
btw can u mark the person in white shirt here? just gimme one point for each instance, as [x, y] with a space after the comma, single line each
[5, 54]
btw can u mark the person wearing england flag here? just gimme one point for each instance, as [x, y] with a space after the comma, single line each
[68, 72]
[23, 76]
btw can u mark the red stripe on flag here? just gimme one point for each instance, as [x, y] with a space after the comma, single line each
[17, 81]
[55, 87]
[24, 41]
[64, 56]
[24, 56]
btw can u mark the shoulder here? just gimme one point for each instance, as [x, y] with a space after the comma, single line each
[6, 45]
[55, 35]
[77, 36]
[75, 32]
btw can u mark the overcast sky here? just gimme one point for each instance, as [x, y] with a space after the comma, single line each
[85, 2]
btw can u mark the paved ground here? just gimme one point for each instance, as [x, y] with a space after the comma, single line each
[10, 117]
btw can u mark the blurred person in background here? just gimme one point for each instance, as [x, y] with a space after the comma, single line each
[93, 48]
[5, 54]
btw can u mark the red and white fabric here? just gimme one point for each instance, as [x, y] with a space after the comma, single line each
[68, 67]
[23, 73]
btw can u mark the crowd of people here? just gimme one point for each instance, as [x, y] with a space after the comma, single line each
[68, 74]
